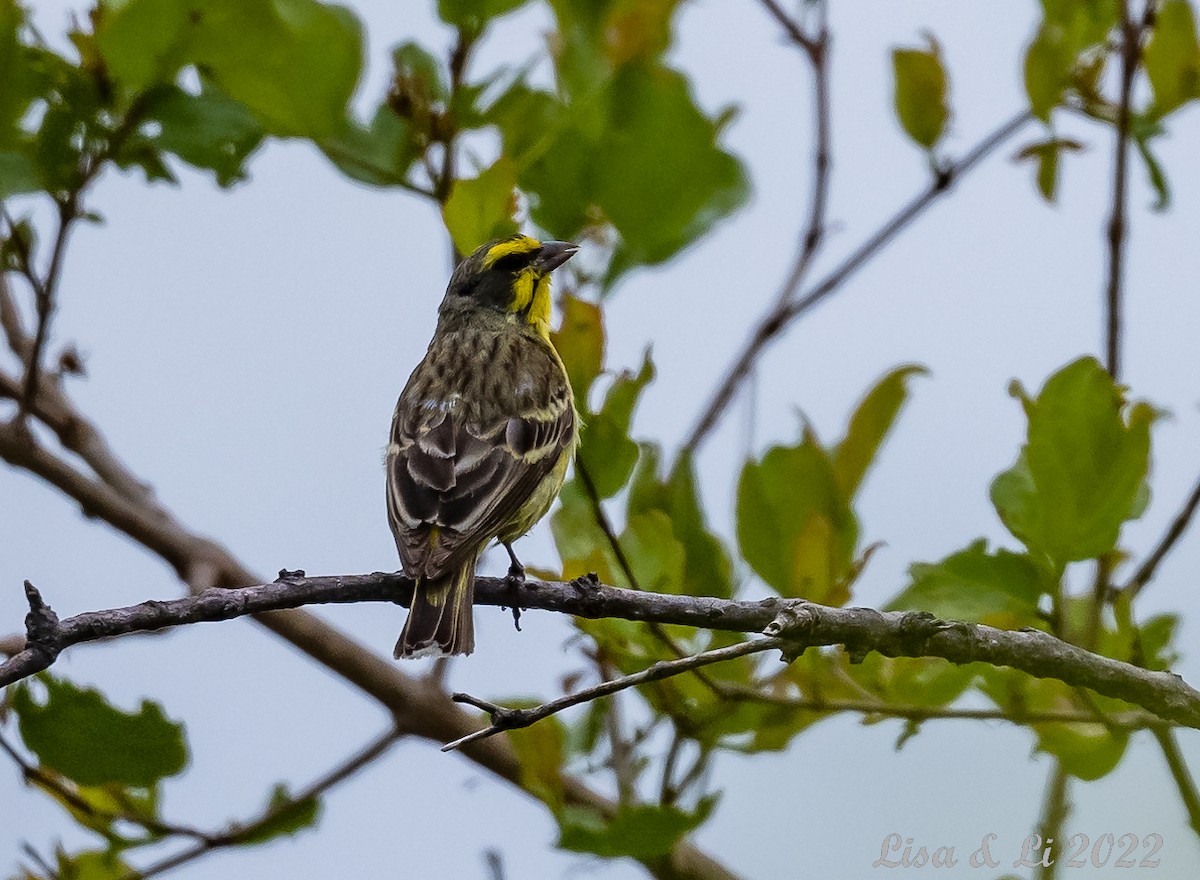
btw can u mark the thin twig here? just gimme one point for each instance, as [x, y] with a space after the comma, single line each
[45, 292]
[459, 55]
[668, 792]
[875, 706]
[790, 25]
[619, 747]
[70, 209]
[816, 49]
[240, 832]
[1179, 525]
[782, 314]
[1055, 810]
[600, 516]
[1131, 54]
[1182, 776]
[513, 719]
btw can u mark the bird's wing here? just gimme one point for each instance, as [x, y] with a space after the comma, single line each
[460, 467]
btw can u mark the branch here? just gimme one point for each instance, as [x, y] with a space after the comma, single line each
[874, 706]
[46, 290]
[816, 48]
[514, 719]
[860, 630]
[784, 312]
[1179, 525]
[1055, 810]
[1182, 776]
[1131, 55]
[243, 831]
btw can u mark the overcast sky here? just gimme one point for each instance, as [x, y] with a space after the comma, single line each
[245, 349]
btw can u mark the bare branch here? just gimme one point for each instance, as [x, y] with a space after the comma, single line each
[790, 26]
[514, 719]
[1131, 55]
[779, 317]
[1055, 810]
[242, 831]
[1182, 776]
[860, 630]
[876, 707]
[46, 290]
[1175, 531]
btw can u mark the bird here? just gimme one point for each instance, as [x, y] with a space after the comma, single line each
[481, 436]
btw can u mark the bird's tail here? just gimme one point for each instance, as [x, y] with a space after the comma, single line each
[441, 620]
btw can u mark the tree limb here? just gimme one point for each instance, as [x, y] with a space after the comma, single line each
[786, 311]
[801, 624]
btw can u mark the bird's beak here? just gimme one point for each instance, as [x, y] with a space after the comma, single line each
[554, 253]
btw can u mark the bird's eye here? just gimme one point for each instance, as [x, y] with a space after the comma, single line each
[513, 262]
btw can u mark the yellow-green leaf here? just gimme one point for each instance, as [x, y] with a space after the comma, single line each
[921, 93]
[482, 208]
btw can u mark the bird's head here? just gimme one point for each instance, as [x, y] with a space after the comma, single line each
[512, 276]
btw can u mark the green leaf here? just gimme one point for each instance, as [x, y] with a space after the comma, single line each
[660, 177]
[145, 42]
[580, 341]
[1087, 750]
[91, 865]
[285, 817]
[77, 733]
[869, 426]
[1000, 589]
[639, 831]
[795, 525]
[472, 15]
[921, 93]
[605, 448]
[482, 208]
[1082, 472]
[377, 155]
[17, 174]
[19, 86]
[1172, 57]
[1154, 172]
[209, 130]
[707, 569]
[656, 558]
[912, 681]
[294, 63]
[1046, 154]
[1048, 63]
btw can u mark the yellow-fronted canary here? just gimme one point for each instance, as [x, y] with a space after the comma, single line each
[481, 437]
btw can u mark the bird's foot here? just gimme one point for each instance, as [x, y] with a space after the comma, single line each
[514, 581]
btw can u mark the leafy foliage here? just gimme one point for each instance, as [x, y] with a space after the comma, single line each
[78, 734]
[1082, 472]
[796, 524]
[1001, 589]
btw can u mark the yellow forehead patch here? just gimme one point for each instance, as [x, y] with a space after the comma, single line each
[518, 244]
